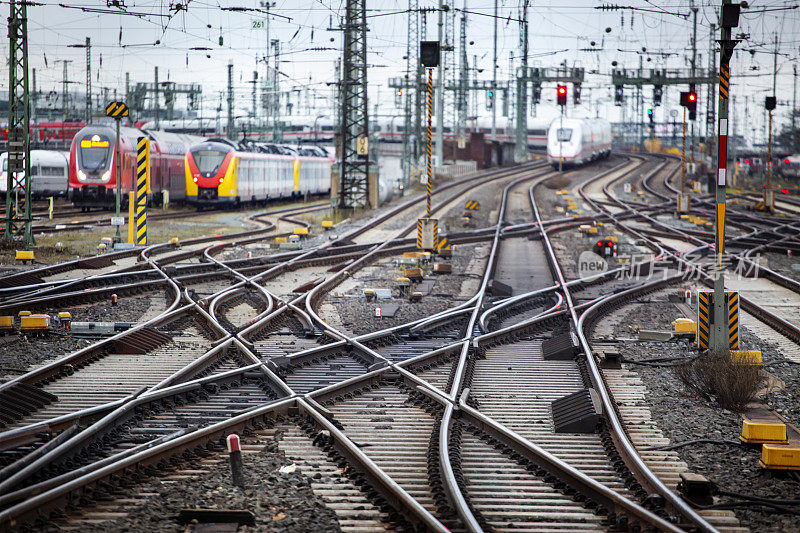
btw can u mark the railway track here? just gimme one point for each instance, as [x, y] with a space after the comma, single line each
[440, 422]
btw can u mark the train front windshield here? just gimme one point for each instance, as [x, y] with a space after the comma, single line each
[95, 152]
[208, 161]
[564, 134]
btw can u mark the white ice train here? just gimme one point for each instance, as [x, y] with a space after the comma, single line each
[49, 172]
[575, 141]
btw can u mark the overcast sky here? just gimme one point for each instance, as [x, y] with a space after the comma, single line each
[163, 36]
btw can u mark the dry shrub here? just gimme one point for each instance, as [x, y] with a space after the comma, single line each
[557, 182]
[715, 376]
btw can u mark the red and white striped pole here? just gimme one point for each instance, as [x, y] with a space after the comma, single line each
[235, 452]
[720, 338]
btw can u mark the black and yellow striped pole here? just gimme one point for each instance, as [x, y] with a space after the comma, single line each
[720, 337]
[142, 175]
[427, 228]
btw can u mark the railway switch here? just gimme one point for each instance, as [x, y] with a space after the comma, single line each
[64, 320]
[746, 357]
[696, 488]
[25, 256]
[402, 285]
[777, 457]
[763, 432]
[34, 323]
[414, 274]
[684, 327]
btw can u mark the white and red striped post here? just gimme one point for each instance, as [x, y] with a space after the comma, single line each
[720, 339]
[235, 452]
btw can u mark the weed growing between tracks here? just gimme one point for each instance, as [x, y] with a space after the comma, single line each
[714, 375]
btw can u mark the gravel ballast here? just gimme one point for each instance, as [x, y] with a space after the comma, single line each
[683, 417]
[279, 501]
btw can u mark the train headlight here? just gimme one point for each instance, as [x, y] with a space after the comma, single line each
[81, 175]
[106, 176]
[195, 179]
[221, 180]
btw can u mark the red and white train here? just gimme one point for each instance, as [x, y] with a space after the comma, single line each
[93, 164]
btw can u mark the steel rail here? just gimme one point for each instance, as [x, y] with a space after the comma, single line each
[617, 429]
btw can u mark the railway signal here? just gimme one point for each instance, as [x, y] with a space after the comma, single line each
[618, 95]
[117, 110]
[650, 116]
[769, 194]
[576, 93]
[729, 19]
[427, 227]
[489, 99]
[561, 95]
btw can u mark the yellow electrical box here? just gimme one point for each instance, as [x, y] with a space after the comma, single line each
[173, 240]
[412, 255]
[327, 224]
[746, 357]
[612, 239]
[778, 457]
[572, 205]
[593, 230]
[34, 323]
[301, 231]
[6, 322]
[25, 255]
[584, 228]
[562, 191]
[684, 326]
[280, 240]
[762, 432]
[414, 274]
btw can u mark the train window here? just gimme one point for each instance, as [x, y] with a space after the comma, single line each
[51, 171]
[564, 134]
[208, 161]
[95, 152]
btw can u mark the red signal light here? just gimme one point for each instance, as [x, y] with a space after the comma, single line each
[562, 89]
[747, 161]
[599, 243]
[785, 160]
[692, 97]
[785, 191]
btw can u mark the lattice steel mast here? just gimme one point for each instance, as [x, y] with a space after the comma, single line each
[354, 126]
[521, 145]
[463, 78]
[18, 203]
[412, 66]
